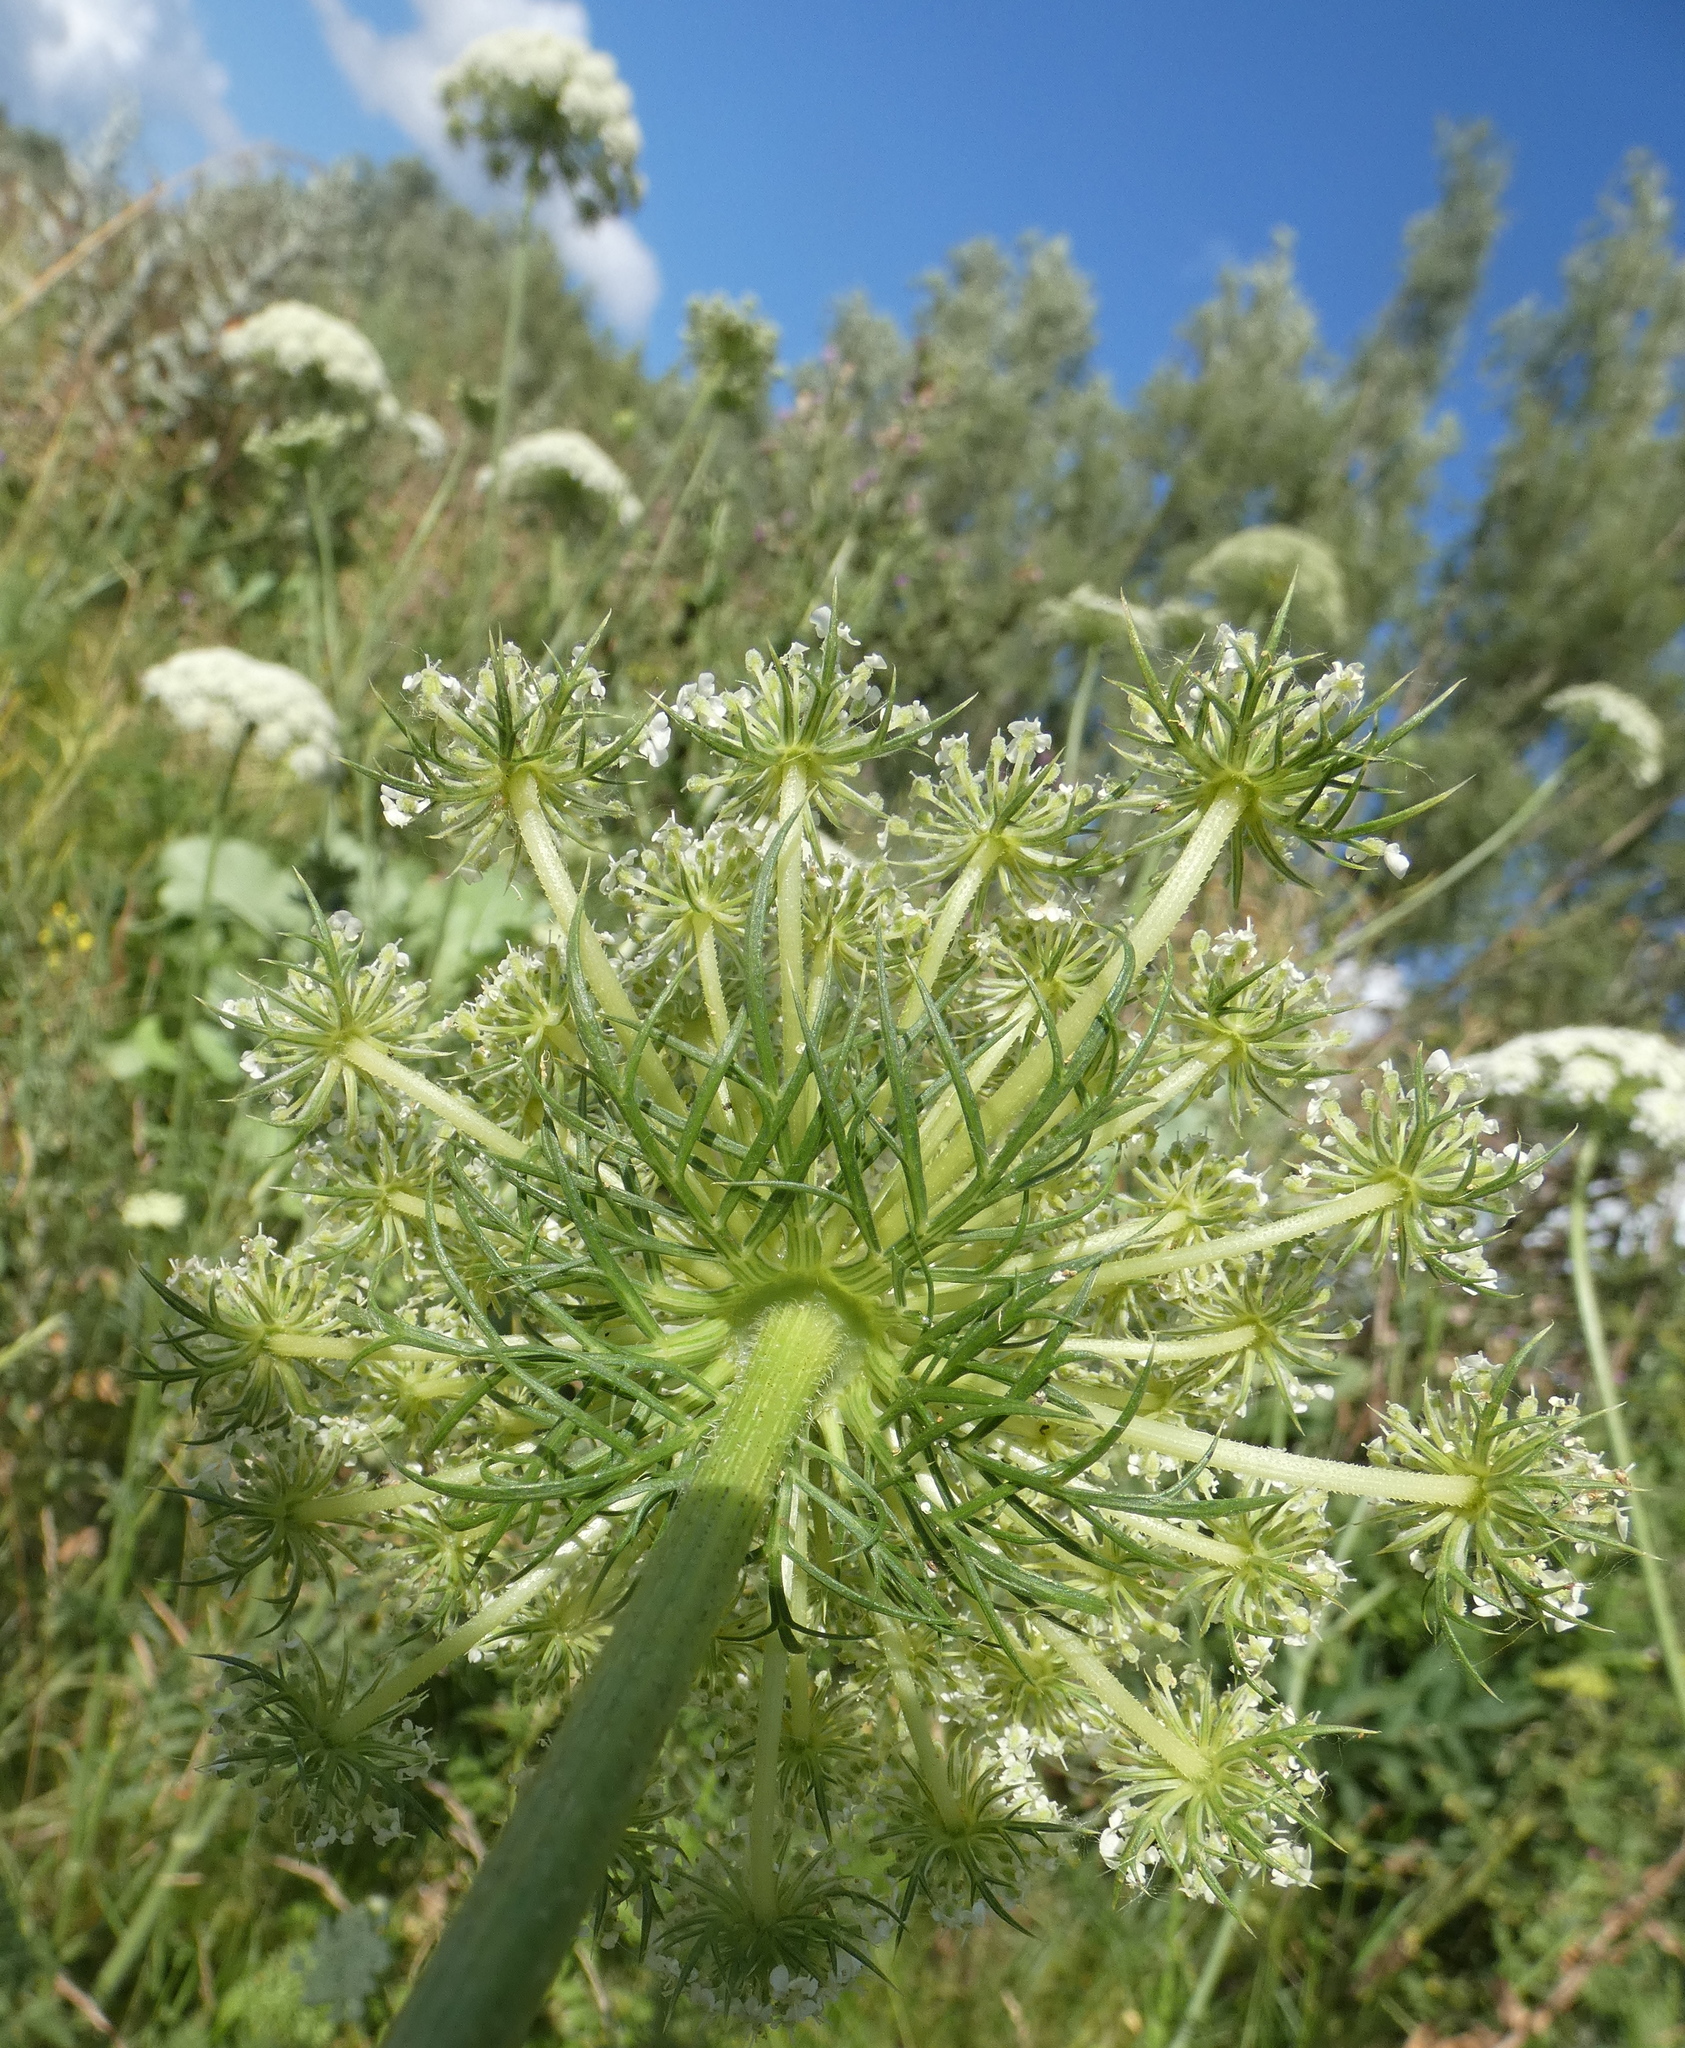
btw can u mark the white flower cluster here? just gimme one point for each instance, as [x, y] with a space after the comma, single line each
[299, 339]
[536, 465]
[1636, 1075]
[1634, 727]
[583, 84]
[222, 693]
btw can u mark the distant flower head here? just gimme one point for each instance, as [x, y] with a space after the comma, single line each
[1087, 615]
[733, 351]
[1633, 1076]
[1634, 728]
[300, 340]
[1252, 571]
[155, 1209]
[220, 692]
[552, 107]
[561, 462]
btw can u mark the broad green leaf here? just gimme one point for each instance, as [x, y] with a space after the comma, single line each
[248, 884]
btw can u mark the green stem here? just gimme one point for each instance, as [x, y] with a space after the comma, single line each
[763, 1810]
[1210, 1344]
[327, 578]
[671, 525]
[496, 1614]
[181, 1099]
[933, 1766]
[1150, 931]
[1614, 1419]
[380, 606]
[185, 1843]
[373, 1060]
[487, 1978]
[1140, 1720]
[1310, 1221]
[955, 904]
[527, 810]
[1078, 726]
[490, 532]
[1288, 1469]
[791, 978]
[1425, 892]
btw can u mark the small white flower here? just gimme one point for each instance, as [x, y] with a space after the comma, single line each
[1396, 859]
[399, 808]
[820, 619]
[155, 1209]
[657, 741]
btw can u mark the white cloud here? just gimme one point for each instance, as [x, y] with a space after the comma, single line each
[66, 64]
[393, 75]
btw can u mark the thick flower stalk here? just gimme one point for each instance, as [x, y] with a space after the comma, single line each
[780, 1308]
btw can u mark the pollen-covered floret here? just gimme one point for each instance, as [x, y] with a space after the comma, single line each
[1232, 1802]
[511, 733]
[1540, 1503]
[820, 716]
[1427, 1151]
[310, 1031]
[1014, 819]
[1292, 752]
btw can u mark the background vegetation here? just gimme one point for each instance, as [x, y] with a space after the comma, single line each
[1489, 1845]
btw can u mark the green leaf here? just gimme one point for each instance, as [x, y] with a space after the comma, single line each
[145, 1050]
[247, 884]
[465, 924]
[216, 1052]
[345, 1964]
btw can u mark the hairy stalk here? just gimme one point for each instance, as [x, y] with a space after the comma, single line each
[548, 865]
[1181, 1756]
[1436, 885]
[1310, 1221]
[791, 968]
[496, 1958]
[1288, 1468]
[1614, 1419]
[373, 1060]
[933, 1766]
[1211, 1344]
[497, 1613]
[763, 1810]
[955, 904]
[1150, 931]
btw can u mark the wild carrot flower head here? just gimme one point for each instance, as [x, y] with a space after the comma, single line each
[315, 349]
[230, 698]
[550, 107]
[838, 1193]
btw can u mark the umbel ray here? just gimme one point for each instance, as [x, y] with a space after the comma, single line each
[778, 1320]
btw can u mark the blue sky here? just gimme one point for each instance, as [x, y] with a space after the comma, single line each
[800, 151]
